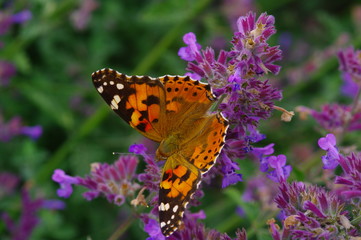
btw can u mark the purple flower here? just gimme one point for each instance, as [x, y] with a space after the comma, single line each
[80, 17]
[15, 127]
[28, 219]
[335, 118]
[115, 182]
[190, 52]
[349, 87]
[229, 168]
[251, 51]
[6, 19]
[312, 212]
[8, 182]
[152, 173]
[7, 71]
[351, 177]
[33, 132]
[350, 62]
[138, 149]
[65, 182]
[262, 190]
[328, 143]
[281, 172]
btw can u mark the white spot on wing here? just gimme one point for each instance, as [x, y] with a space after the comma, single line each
[117, 98]
[120, 86]
[100, 89]
[166, 206]
[161, 207]
[114, 104]
[175, 208]
[162, 224]
[111, 83]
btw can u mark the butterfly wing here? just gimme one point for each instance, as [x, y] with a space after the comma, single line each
[182, 171]
[186, 101]
[140, 101]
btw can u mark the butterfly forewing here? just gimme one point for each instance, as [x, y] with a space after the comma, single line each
[138, 100]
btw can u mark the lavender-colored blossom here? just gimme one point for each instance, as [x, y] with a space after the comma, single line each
[251, 52]
[28, 219]
[262, 190]
[115, 182]
[190, 52]
[15, 127]
[281, 171]
[33, 132]
[7, 20]
[80, 17]
[229, 168]
[8, 182]
[351, 177]
[349, 87]
[328, 143]
[7, 71]
[151, 176]
[335, 118]
[312, 212]
[350, 62]
[65, 181]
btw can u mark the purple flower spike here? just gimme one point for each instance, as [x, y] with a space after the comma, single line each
[115, 182]
[328, 143]
[311, 212]
[65, 182]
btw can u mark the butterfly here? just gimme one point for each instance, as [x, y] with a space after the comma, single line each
[173, 111]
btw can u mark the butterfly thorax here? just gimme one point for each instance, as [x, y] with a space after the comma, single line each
[167, 147]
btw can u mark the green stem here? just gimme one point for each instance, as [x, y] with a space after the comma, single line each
[122, 228]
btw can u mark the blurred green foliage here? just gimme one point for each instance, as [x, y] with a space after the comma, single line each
[55, 58]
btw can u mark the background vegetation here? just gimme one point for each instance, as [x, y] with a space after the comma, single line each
[56, 51]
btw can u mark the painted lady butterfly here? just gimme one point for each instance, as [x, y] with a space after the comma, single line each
[171, 110]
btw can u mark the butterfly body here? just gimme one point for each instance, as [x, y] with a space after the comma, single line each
[170, 110]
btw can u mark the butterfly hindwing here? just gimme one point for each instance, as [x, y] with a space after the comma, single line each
[179, 181]
[182, 171]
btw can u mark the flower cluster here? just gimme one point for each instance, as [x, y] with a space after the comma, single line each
[236, 74]
[335, 118]
[115, 182]
[312, 213]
